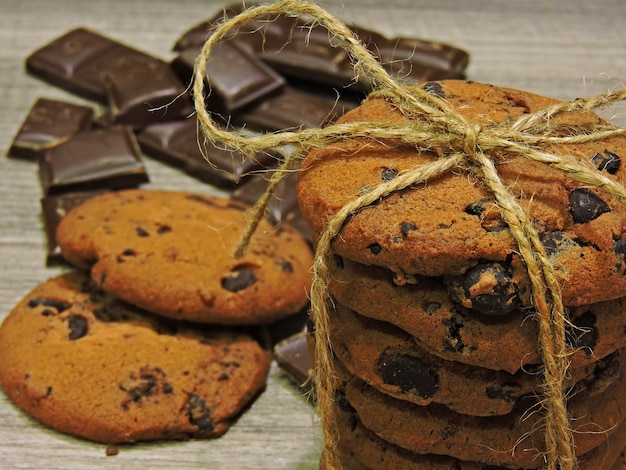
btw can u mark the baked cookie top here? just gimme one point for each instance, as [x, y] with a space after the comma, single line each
[450, 225]
[172, 253]
[90, 365]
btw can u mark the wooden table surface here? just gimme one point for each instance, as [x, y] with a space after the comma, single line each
[563, 49]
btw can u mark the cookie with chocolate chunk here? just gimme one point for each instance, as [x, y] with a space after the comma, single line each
[514, 440]
[388, 359]
[449, 227]
[360, 448]
[172, 253]
[448, 330]
[87, 364]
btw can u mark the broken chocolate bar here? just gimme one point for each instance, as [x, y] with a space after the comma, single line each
[181, 144]
[48, 124]
[81, 60]
[293, 356]
[108, 158]
[234, 77]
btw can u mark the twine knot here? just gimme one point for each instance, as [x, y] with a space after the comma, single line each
[436, 125]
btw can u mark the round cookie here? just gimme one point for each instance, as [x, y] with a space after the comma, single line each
[449, 331]
[90, 365]
[172, 253]
[359, 448]
[388, 359]
[449, 227]
[512, 441]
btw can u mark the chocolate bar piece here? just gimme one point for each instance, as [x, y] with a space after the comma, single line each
[234, 78]
[295, 107]
[283, 205]
[294, 357]
[80, 60]
[181, 144]
[48, 124]
[108, 158]
[145, 91]
[53, 210]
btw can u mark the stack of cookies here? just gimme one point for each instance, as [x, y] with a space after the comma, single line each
[432, 330]
[161, 333]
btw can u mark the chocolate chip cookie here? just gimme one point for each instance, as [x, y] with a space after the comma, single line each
[448, 330]
[513, 441]
[449, 226]
[388, 359]
[172, 253]
[87, 364]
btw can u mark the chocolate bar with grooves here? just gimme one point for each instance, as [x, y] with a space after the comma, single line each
[49, 123]
[108, 158]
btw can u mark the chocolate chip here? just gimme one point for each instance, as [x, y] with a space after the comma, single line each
[585, 205]
[619, 248]
[375, 248]
[476, 207]
[490, 289]
[285, 266]
[58, 305]
[78, 326]
[164, 229]
[388, 174]
[410, 374]
[551, 241]
[583, 333]
[199, 413]
[129, 252]
[610, 162]
[142, 232]
[430, 307]
[508, 391]
[167, 388]
[144, 386]
[434, 88]
[607, 369]
[406, 227]
[240, 278]
[453, 341]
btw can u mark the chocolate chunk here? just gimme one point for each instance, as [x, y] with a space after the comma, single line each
[434, 88]
[430, 307]
[508, 392]
[477, 207]
[552, 241]
[100, 159]
[240, 278]
[178, 143]
[375, 248]
[80, 60]
[234, 77]
[582, 333]
[142, 232]
[58, 305]
[293, 357]
[293, 107]
[54, 209]
[489, 288]
[619, 248]
[78, 326]
[199, 413]
[585, 205]
[609, 162]
[453, 341]
[406, 228]
[388, 174]
[410, 374]
[143, 90]
[48, 124]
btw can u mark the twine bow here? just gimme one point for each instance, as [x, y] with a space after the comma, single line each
[433, 123]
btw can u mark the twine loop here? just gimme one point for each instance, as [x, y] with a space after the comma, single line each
[434, 125]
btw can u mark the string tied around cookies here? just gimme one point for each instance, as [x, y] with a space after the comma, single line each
[434, 125]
